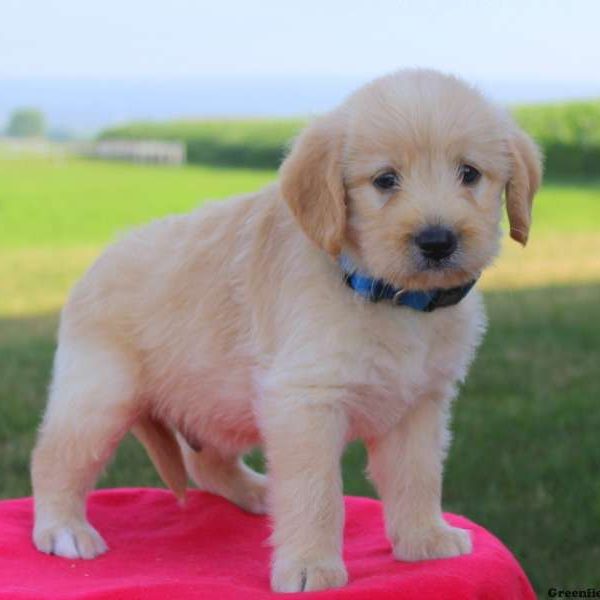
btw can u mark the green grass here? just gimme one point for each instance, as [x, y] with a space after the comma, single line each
[65, 202]
[525, 456]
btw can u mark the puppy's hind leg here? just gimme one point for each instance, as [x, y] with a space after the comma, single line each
[218, 472]
[91, 407]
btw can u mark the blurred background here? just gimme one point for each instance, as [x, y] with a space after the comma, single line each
[116, 112]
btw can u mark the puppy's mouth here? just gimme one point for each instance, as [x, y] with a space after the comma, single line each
[446, 272]
[446, 264]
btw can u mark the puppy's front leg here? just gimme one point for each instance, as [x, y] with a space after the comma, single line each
[406, 466]
[304, 438]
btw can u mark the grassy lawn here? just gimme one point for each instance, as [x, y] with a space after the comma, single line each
[525, 457]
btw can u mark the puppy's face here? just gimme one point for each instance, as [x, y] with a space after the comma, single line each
[408, 178]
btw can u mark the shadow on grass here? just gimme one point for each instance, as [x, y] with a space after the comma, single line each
[525, 457]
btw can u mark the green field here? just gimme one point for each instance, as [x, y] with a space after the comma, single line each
[525, 457]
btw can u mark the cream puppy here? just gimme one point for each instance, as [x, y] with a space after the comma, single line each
[256, 322]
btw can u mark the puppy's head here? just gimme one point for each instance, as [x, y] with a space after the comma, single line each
[408, 175]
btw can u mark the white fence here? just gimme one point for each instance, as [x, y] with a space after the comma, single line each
[18, 147]
[147, 151]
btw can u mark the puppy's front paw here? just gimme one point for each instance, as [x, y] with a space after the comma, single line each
[77, 540]
[439, 541]
[307, 576]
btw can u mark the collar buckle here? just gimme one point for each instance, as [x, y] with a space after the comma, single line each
[398, 297]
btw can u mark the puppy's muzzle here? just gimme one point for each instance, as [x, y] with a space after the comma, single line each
[436, 243]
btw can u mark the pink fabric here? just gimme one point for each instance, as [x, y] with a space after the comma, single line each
[211, 549]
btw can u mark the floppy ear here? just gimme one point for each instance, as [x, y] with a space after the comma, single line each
[524, 181]
[312, 186]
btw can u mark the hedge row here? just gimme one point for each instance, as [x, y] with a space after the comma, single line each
[259, 143]
[569, 134]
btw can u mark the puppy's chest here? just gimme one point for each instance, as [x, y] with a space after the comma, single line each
[394, 367]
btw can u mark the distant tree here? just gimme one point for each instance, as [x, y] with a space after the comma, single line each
[26, 122]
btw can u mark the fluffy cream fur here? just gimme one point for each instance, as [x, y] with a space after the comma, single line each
[231, 326]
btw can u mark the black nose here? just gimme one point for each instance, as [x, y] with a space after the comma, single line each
[436, 243]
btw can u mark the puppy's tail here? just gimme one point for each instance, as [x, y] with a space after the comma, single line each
[164, 452]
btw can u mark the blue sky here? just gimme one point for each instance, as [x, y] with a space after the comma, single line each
[88, 64]
[527, 40]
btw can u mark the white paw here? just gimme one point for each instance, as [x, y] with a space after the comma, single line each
[308, 576]
[76, 540]
[439, 541]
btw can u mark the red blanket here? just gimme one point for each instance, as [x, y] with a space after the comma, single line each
[211, 549]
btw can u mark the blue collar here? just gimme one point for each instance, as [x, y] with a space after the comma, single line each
[378, 289]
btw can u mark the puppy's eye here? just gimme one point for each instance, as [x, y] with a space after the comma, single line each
[469, 175]
[386, 181]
